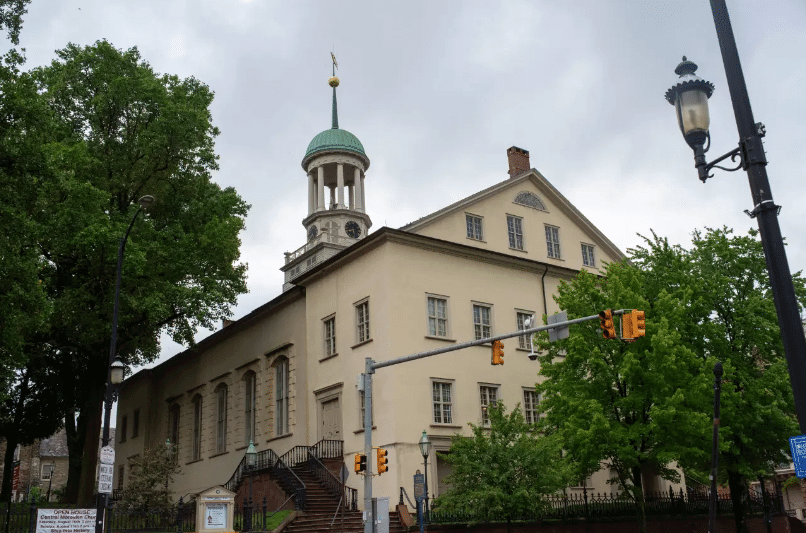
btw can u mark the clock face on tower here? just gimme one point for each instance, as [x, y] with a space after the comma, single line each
[312, 231]
[353, 230]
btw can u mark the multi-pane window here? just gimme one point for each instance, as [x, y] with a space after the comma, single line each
[482, 325]
[173, 424]
[124, 426]
[489, 396]
[330, 336]
[361, 409]
[523, 340]
[362, 321]
[474, 227]
[281, 396]
[530, 406]
[443, 405]
[515, 230]
[46, 471]
[249, 407]
[136, 423]
[197, 426]
[437, 316]
[221, 419]
[587, 255]
[553, 241]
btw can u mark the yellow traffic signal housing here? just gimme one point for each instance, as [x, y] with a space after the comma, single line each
[360, 463]
[606, 323]
[627, 327]
[638, 323]
[382, 461]
[498, 353]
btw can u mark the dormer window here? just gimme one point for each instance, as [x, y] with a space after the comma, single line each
[530, 200]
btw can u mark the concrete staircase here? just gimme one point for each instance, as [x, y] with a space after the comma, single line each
[322, 506]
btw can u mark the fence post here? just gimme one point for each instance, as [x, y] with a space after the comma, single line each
[179, 508]
[32, 521]
[8, 515]
[263, 527]
[585, 495]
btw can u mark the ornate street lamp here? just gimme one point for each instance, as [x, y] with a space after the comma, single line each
[249, 463]
[425, 449]
[116, 367]
[690, 98]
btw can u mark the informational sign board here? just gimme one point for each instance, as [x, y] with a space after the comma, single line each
[215, 515]
[798, 447]
[105, 475]
[107, 455]
[419, 486]
[66, 521]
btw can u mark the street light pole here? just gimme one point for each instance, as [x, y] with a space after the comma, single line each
[52, 467]
[690, 97]
[715, 450]
[115, 365]
[425, 449]
[765, 210]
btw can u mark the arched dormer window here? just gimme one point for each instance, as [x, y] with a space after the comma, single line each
[530, 200]
[221, 418]
[249, 406]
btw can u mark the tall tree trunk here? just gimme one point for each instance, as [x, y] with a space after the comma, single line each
[738, 495]
[8, 468]
[74, 441]
[638, 494]
[91, 413]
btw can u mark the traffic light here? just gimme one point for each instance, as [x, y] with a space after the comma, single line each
[360, 463]
[638, 323]
[382, 460]
[498, 353]
[627, 328]
[606, 323]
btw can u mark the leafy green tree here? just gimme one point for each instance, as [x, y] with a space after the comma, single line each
[632, 406]
[11, 12]
[149, 476]
[126, 131]
[732, 319]
[504, 470]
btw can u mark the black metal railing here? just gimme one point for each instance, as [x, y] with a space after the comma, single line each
[598, 507]
[332, 484]
[328, 449]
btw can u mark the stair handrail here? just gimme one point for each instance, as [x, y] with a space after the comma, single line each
[330, 481]
[329, 449]
[283, 466]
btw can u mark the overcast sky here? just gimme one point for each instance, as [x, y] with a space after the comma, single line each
[438, 90]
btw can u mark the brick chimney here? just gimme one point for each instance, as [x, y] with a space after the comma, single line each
[518, 161]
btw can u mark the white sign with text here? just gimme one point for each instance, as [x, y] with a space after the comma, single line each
[105, 475]
[66, 521]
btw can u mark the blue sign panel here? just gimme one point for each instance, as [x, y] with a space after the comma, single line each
[798, 447]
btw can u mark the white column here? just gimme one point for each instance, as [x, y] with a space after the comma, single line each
[340, 185]
[351, 195]
[358, 185]
[311, 193]
[320, 187]
[363, 195]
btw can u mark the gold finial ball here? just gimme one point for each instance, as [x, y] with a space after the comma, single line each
[333, 82]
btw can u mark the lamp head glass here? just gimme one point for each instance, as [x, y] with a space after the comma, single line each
[116, 371]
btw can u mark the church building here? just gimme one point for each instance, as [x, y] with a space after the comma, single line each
[285, 376]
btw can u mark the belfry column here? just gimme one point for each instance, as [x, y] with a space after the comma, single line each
[320, 187]
[311, 193]
[358, 188]
[340, 185]
[351, 196]
[363, 196]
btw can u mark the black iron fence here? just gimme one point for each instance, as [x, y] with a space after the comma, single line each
[181, 518]
[604, 507]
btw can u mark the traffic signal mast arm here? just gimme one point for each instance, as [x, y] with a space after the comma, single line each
[489, 340]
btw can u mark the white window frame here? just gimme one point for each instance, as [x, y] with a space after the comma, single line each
[553, 249]
[592, 253]
[282, 372]
[489, 394]
[221, 393]
[249, 406]
[474, 227]
[520, 317]
[433, 318]
[515, 232]
[46, 471]
[479, 325]
[362, 331]
[329, 328]
[530, 401]
[439, 405]
[197, 426]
